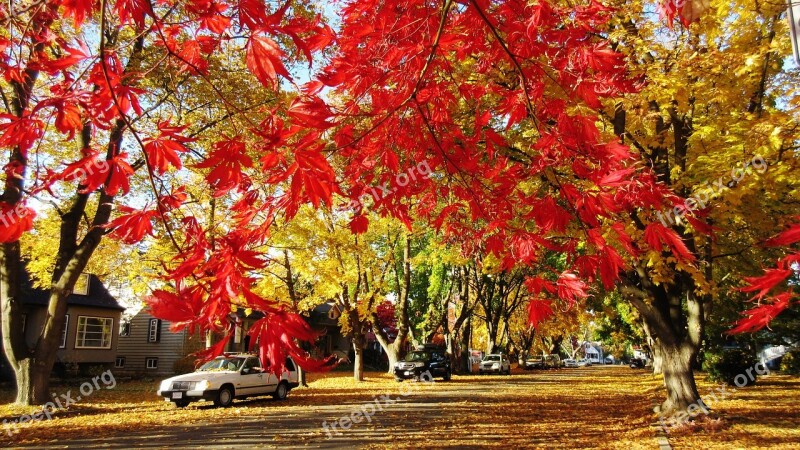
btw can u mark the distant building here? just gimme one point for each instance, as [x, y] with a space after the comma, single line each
[325, 319]
[148, 347]
[594, 352]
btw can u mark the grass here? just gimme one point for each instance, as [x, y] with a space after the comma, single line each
[598, 407]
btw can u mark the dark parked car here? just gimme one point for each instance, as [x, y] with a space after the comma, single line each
[637, 364]
[429, 359]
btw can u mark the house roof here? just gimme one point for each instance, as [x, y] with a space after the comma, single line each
[98, 296]
[320, 316]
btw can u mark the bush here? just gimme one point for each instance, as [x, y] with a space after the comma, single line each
[791, 362]
[724, 367]
[184, 365]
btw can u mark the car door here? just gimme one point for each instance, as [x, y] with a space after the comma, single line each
[437, 365]
[251, 380]
[270, 381]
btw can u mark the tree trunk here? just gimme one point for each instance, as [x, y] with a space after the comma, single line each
[33, 382]
[394, 349]
[678, 379]
[658, 360]
[358, 360]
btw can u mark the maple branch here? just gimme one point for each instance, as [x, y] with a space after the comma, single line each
[13, 14]
[413, 94]
[514, 61]
[137, 49]
[5, 99]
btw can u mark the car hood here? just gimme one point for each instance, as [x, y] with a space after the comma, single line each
[200, 376]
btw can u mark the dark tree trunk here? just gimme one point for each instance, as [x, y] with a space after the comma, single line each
[33, 365]
[678, 378]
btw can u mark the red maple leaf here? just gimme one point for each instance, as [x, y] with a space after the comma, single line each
[14, 221]
[228, 158]
[163, 149]
[22, 132]
[133, 225]
[133, 10]
[539, 311]
[788, 237]
[763, 284]
[571, 288]
[78, 10]
[359, 224]
[761, 316]
[264, 60]
[656, 235]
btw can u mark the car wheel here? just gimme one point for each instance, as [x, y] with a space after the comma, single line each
[182, 403]
[224, 397]
[281, 391]
[448, 375]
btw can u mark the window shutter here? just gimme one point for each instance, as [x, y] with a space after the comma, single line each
[158, 331]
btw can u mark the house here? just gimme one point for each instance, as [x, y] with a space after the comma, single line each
[641, 353]
[325, 319]
[88, 339]
[147, 347]
[594, 352]
[771, 355]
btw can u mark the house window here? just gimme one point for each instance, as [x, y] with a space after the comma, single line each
[119, 362]
[63, 343]
[125, 329]
[94, 332]
[151, 363]
[154, 331]
[82, 285]
[237, 335]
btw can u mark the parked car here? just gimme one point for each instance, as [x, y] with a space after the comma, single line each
[495, 363]
[534, 363]
[226, 378]
[583, 362]
[637, 363]
[569, 362]
[426, 359]
[552, 361]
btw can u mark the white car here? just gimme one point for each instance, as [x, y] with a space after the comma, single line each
[496, 363]
[228, 377]
[569, 362]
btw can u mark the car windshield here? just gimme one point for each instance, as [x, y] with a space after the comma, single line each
[223, 364]
[417, 356]
[492, 358]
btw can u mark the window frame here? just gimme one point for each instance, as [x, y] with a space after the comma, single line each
[154, 334]
[125, 328]
[147, 363]
[117, 365]
[87, 347]
[82, 285]
[64, 333]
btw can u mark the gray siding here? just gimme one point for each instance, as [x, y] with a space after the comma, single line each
[136, 348]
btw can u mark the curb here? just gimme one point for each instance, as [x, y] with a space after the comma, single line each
[661, 434]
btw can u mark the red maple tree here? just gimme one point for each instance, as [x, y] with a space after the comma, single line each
[497, 98]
